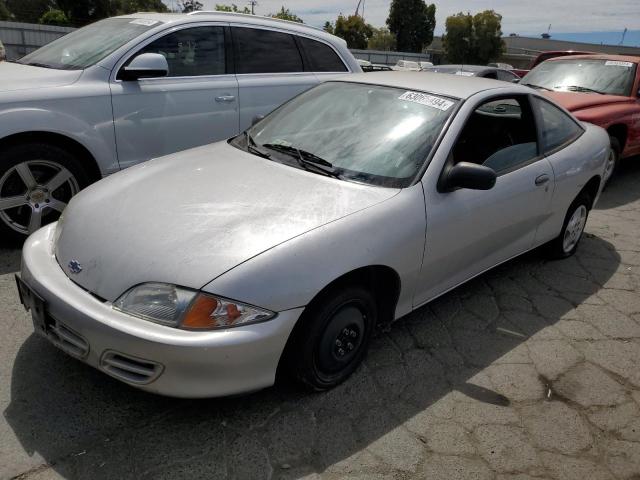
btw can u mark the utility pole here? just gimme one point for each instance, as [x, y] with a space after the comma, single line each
[253, 4]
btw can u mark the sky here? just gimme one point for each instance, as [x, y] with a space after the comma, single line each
[524, 17]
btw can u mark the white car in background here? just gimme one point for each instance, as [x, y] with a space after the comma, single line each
[406, 66]
[131, 88]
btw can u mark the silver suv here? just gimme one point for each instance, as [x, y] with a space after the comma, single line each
[127, 89]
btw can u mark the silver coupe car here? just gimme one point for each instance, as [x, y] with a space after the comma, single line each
[208, 272]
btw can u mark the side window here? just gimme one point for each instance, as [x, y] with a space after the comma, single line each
[265, 51]
[506, 76]
[499, 134]
[192, 52]
[557, 127]
[490, 74]
[321, 57]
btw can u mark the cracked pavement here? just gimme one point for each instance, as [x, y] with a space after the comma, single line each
[530, 371]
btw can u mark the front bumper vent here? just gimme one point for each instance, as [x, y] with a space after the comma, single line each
[68, 340]
[130, 369]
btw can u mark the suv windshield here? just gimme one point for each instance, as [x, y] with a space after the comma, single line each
[610, 77]
[84, 47]
[365, 133]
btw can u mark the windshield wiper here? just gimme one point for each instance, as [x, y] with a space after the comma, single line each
[37, 64]
[306, 160]
[578, 88]
[252, 147]
[539, 87]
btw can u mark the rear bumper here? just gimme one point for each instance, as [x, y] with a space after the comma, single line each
[152, 357]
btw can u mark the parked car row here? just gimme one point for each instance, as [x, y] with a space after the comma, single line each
[214, 270]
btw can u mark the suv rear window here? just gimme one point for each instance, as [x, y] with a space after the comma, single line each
[265, 51]
[321, 57]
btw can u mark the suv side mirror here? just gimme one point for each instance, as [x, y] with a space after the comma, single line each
[147, 65]
[516, 80]
[469, 175]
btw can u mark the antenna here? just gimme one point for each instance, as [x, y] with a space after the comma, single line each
[624, 34]
[358, 7]
[253, 4]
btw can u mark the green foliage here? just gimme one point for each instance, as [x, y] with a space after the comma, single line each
[54, 17]
[231, 8]
[354, 30]
[412, 22]
[473, 39]
[286, 14]
[188, 6]
[328, 27]
[28, 11]
[382, 39]
[131, 6]
[4, 11]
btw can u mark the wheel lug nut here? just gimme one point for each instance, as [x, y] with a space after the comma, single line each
[37, 205]
[345, 331]
[338, 343]
[352, 333]
[349, 346]
[46, 200]
[341, 352]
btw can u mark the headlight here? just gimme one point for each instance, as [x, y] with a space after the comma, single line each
[187, 309]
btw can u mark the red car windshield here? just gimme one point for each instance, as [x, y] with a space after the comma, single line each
[611, 77]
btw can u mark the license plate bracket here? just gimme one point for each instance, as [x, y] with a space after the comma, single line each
[34, 303]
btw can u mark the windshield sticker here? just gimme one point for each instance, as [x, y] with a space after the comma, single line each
[428, 100]
[464, 74]
[616, 63]
[145, 22]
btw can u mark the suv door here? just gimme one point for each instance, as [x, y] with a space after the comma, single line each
[194, 105]
[270, 70]
[470, 231]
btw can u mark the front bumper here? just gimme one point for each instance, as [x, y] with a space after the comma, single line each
[152, 357]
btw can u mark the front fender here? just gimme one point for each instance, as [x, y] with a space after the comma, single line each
[391, 233]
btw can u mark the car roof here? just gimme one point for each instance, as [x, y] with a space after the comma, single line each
[467, 68]
[447, 85]
[200, 15]
[598, 56]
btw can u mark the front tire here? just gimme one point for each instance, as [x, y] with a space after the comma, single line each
[37, 181]
[566, 244]
[332, 337]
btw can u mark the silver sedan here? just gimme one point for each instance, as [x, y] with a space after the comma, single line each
[210, 271]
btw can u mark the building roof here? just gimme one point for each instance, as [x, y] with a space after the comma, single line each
[436, 83]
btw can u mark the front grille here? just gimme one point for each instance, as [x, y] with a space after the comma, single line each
[130, 369]
[71, 342]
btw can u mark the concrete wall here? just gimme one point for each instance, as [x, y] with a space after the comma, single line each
[22, 38]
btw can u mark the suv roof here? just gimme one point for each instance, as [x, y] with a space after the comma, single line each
[200, 15]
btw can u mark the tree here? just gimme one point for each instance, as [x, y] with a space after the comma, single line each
[328, 27]
[412, 22]
[54, 17]
[131, 6]
[354, 30]
[190, 6]
[382, 39]
[286, 14]
[4, 11]
[473, 39]
[231, 8]
[28, 11]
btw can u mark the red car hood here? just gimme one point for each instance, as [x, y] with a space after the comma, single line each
[574, 101]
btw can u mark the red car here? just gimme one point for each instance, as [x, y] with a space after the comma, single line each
[599, 89]
[546, 56]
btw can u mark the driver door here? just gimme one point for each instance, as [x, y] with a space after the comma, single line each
[470, 231]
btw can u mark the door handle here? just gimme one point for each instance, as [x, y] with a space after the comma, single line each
[542, 179]
[225, 98]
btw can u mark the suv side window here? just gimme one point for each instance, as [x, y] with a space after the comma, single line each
[557, 127]
[265, 51]
[191, 52]
[500, 134]
[506, 76]
[321, 57]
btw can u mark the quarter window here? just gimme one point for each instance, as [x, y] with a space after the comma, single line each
[557, 127]
[499, 134]
[265, 51]
[321, 57]
[192, 52]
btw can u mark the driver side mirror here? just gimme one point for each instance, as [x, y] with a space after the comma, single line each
[147, 65]
[469, 175]
[516, 80]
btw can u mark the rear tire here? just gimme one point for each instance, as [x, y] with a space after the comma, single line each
[37, 180]
[331, 338]
[566, 244]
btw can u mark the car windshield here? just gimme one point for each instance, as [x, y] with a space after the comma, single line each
[84, 47]
[364, 133]
[612, 77]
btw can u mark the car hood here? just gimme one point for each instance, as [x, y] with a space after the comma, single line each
[14, 76]
[189, 217]
[575, 101]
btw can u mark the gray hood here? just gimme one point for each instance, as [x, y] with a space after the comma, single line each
[189, 217]
[14, 76]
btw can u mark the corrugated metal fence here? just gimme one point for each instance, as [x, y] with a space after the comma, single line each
[22, 38]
